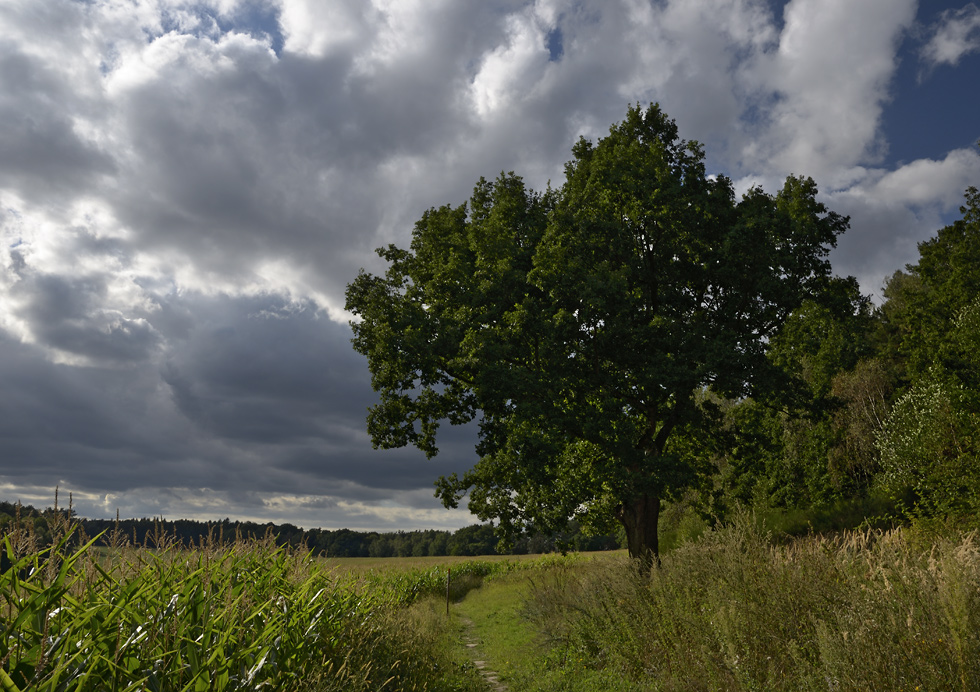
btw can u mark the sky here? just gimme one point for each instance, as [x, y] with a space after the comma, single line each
[186, 189]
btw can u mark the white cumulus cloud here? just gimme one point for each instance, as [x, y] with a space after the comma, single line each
[956, 34]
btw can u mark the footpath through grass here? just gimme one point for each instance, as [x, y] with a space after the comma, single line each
[512, 643]
[878, 611]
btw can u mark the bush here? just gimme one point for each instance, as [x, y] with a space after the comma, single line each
[928, 444]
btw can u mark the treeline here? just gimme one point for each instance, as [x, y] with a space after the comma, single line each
[883, 421]
[478, 539]
[886, 402]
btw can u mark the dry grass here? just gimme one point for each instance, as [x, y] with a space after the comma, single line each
[873, 610]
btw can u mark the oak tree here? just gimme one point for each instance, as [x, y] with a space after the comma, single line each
[582, 327]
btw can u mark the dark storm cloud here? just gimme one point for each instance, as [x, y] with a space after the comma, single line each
[261, 369]
[187, 187]
[256, 392]
[269, 160]
[66, 314]
[99, 428]
[203, 172]
[41, 153]
[267, 374]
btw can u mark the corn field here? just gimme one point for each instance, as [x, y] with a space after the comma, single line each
[245, 616]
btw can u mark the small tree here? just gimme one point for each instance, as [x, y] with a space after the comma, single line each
[582, 326]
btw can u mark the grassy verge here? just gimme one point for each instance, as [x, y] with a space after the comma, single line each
[872, 610]
[420, 647]
[361, 565]
[513, 644]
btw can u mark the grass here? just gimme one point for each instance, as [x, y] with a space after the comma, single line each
[512, 642]
[872, 610]
[733, 609]
[387, 564]
[504, 637]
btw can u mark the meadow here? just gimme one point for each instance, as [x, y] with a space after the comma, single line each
[733, 609]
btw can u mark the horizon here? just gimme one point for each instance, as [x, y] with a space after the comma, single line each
[186, 189]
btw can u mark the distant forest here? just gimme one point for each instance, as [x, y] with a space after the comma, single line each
[478, 539]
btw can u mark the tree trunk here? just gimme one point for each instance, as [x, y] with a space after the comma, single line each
[640, 516]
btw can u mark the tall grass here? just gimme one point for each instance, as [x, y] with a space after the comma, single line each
[867, 610]
[246, 617]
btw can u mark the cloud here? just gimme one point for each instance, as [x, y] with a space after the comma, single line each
[401, 511]
[45, 150]
[513, 68]
[67, 315]
[954, 35]
[316, 29]
[825, 86]
[925, 181]
[251, 393]
[184, 200]
[893, 211]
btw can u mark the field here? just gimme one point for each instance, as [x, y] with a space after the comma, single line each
[247, 616]
[733, 610]
[367, 564]
[244, 616]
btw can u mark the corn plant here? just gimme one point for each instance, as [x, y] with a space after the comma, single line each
[242, 618]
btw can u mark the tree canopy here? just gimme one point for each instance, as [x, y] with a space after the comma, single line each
[931, 335]
[588, 328]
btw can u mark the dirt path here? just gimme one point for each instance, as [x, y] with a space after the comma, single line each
[473, 647]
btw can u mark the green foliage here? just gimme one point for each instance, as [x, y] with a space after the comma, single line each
[770, 459]
[819, 341]
[926, 300]
[929, 444]
[772, 456]
[473, 540]
[246, 617]
[894, 395]
[863, 393]
[183, 622]
[582, 326]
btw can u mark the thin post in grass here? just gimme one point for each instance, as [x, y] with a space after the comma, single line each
[449, 571]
